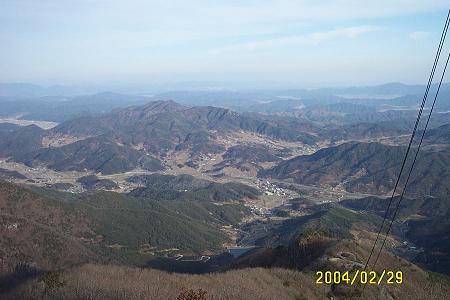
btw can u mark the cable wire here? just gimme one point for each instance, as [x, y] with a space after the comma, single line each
[430, 79]
[414, 161]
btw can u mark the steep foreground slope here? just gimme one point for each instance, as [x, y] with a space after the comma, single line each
[120, 282]
[38, 229]
[52, 229]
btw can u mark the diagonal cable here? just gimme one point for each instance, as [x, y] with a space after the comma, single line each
[414, 161]
[430, 79]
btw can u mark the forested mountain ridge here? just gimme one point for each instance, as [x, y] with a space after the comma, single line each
[42, 226]
[367, 168]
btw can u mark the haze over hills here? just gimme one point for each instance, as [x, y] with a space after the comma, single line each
[59, 108]
[63, 105]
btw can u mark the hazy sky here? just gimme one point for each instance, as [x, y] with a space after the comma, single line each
[313, 43]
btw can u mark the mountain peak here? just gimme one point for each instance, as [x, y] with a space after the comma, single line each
[150, 109]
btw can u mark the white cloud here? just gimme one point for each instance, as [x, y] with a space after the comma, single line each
[311, 39]
[418, 35]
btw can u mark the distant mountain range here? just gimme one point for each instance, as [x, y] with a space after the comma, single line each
[61, 108]
[138, 136]
[134, 137]
[60, 103]
[162, 124]
[26, 89]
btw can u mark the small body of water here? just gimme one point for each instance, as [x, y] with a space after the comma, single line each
[238, 251]
[42, 124]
